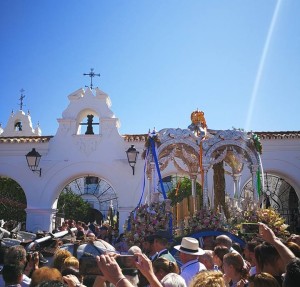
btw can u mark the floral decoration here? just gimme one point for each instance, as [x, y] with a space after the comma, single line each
[268, 216]
[145, 221]
[205, 219]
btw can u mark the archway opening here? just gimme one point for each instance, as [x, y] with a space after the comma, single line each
[279, 195]
[100, 200]
[12, 201]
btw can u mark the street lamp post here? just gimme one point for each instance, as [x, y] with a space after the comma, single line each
[33, 160]
[132, 154]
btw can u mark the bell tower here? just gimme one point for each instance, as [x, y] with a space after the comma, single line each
[19, 124]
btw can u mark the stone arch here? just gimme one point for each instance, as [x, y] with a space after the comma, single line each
[280, 194]
[210, 159]
[43, 203]
[177, 153]
[181, 144]
[13, 200]
[282, 166]
[236, 149]
[96, 212]
[94, 188]
[65, 174]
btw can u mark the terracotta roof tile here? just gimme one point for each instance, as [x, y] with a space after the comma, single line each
[29, 139]
[143, 137]
[279, 135]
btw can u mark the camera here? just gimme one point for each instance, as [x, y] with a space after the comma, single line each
[31, 254]
[88, 264]
[126, 261]
[250, 228]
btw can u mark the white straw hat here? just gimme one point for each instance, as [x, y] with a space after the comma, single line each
[189, 245]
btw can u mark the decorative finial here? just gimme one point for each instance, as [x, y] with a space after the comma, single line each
[21, 99]
[91, 74]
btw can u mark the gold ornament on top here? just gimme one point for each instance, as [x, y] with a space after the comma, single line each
[198, 119]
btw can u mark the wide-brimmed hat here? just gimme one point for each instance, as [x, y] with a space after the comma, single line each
[189, 245]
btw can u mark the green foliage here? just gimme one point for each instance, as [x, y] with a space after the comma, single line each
[257, 143]
[12, 200]
[184, 190]
[73, 206]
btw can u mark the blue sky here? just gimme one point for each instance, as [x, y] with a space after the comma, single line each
[159, 60]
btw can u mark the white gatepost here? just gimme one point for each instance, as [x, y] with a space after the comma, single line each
[40, 219]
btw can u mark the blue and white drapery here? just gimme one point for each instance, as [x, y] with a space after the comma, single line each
[154, 154]
[152, 151]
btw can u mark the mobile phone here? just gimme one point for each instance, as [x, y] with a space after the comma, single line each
[126, 261]
[250, 228]
[88, 266]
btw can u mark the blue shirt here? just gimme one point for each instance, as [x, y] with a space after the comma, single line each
[190, 269]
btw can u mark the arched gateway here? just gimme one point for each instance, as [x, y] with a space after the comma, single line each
[88, 143]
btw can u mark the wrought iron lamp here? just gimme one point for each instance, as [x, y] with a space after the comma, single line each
[132, 154]
[33, 160]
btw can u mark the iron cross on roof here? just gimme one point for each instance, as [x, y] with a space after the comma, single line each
[21, 99]
[91, 74]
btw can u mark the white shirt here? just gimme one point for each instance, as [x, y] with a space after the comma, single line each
[190, 269]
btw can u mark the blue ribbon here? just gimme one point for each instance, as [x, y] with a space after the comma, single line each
[144, 180]
[157, 167]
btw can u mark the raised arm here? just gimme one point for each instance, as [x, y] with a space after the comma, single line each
[144, 264]
[112, 271]
[267, 234]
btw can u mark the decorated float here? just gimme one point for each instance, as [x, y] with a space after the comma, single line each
[186, 157]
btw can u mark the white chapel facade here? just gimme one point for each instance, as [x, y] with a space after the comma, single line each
[74, 152]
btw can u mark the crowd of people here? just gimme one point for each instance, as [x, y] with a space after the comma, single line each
[265, 261]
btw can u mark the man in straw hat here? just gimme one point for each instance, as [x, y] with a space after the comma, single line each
[189, 252]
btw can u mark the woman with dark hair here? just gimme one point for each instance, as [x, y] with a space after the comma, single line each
[235, 271]
[218, 254]
[294, 247]
[272, 256]
[263, 280]
[163, 266]
[268, 260]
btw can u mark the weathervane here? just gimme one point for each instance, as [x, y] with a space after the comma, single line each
[21, 99]
[91, 74]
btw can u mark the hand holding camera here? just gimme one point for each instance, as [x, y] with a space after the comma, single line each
[110, 268]
[33, 259]
[90, 265]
